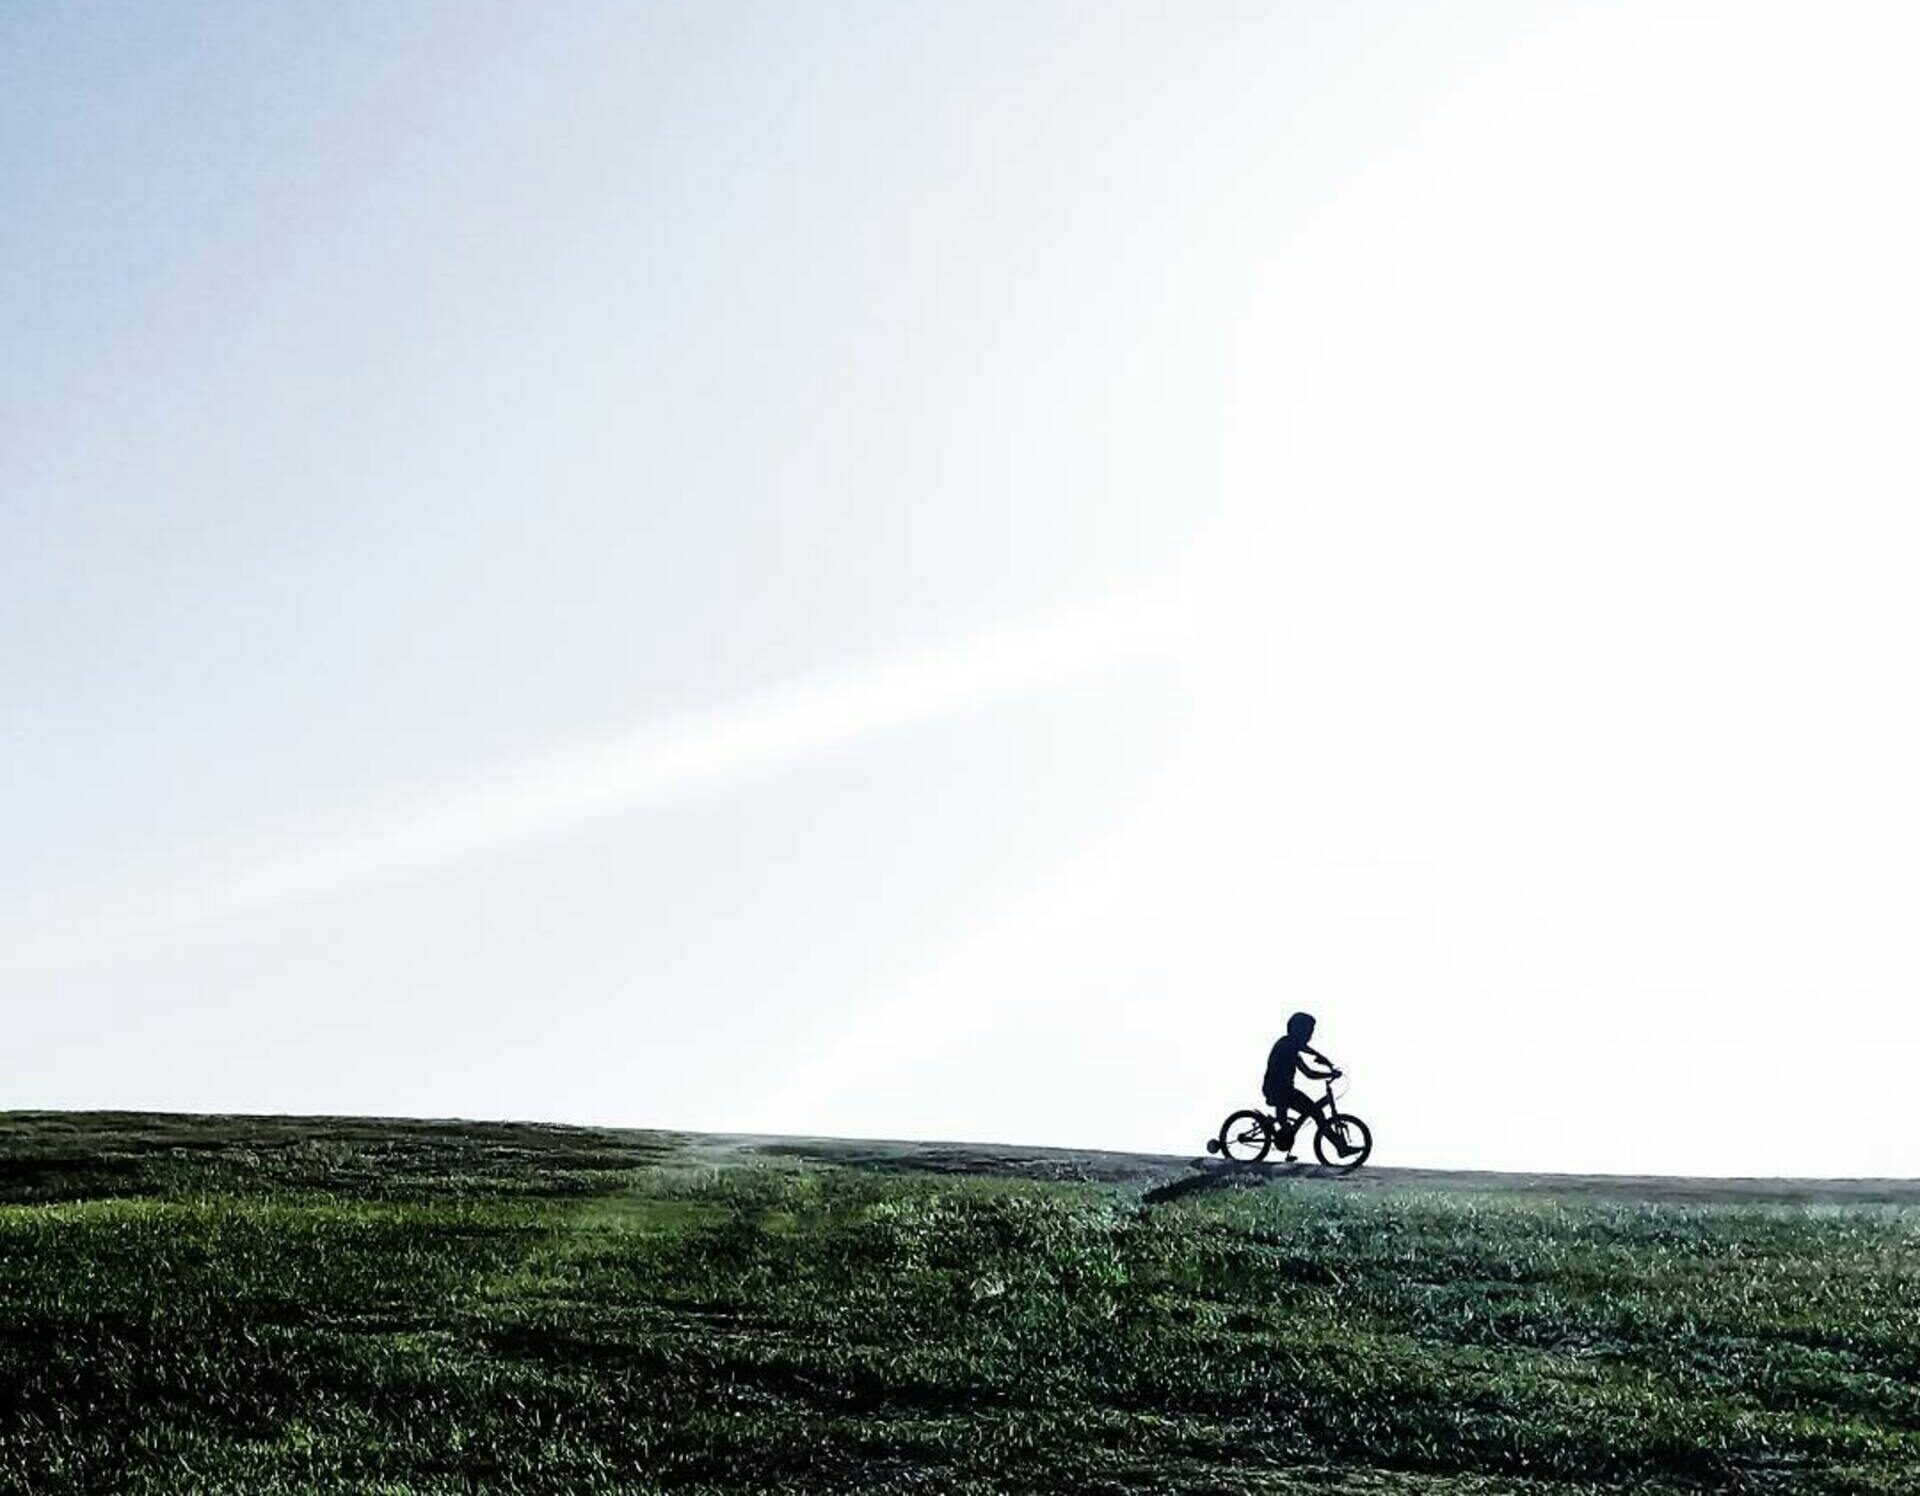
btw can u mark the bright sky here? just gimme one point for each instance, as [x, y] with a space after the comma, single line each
[936, 570]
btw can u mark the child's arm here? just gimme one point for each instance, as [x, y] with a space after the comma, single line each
[1331, 1068]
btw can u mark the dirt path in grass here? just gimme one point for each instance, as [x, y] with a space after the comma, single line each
[1168, 1175]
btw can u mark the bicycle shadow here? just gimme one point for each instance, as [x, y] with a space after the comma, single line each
[1210, 1175]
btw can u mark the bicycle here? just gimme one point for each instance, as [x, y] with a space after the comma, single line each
[1341, 1141]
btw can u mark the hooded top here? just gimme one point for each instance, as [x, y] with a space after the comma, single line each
[1283, 1063]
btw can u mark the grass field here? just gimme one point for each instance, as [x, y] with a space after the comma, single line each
[275, 1305]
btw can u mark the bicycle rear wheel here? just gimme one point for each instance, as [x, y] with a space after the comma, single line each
[1245, 1137]
[1343, 1143]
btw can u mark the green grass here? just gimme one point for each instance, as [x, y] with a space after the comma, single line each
[273, 1305]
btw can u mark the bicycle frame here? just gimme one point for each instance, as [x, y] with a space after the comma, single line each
[1329, 1111]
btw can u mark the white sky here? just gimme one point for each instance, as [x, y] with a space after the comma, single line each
[936, 570]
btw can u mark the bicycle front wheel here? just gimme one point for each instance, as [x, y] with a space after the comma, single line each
[1245, 1137]
[1343, 1143]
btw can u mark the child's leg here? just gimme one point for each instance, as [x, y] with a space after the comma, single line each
[1296, 1109]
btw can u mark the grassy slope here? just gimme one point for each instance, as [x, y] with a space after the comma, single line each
[251, 1305]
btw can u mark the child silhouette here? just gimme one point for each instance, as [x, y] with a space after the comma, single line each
[1287, 1059]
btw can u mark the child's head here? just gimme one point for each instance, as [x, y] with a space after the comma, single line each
[1300, 1027]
